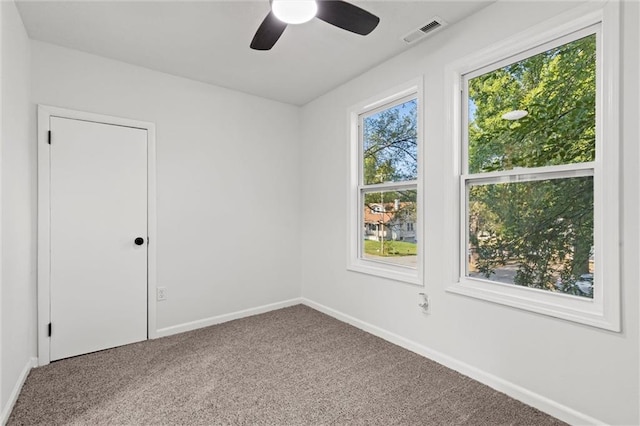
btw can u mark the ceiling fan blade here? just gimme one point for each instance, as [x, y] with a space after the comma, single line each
[268, 33]
[347, 16]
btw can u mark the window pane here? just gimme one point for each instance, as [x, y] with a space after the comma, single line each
[534, 234]
[557, 91]
[390, 144]
[388, 228]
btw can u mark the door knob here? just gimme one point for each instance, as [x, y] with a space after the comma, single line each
[139, 241]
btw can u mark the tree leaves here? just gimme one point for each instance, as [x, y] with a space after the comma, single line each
[390, 145]
[557, 88]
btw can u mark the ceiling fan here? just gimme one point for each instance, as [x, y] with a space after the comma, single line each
[335, 12]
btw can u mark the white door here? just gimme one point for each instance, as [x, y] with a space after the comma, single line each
[98, 276]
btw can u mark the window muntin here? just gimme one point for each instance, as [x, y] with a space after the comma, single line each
[529, 191]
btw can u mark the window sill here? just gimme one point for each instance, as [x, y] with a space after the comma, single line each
[559, 305]
[385, 270]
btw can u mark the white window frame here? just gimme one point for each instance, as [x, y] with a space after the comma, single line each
[356, 262]
[603, 311]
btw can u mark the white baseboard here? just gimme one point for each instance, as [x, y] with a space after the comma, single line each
[526, 396]
[188, 326]
[6, 411]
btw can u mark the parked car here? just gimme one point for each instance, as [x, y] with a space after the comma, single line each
[585, 283]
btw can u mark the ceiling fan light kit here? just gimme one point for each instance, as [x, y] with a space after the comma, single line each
[338, 13]
[294, 11]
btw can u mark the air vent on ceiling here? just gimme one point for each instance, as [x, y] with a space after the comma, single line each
[429, 28]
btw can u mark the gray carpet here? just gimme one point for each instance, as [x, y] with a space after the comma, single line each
[294, 366]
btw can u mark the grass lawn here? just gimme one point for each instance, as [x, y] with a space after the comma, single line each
[391, 248]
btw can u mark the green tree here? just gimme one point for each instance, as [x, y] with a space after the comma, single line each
[543, 227]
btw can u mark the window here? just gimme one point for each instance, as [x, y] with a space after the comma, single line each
[531, 143]
[537, 150]
[385, 170]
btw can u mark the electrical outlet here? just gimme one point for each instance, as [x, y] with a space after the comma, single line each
[161, 293]
[424, 302]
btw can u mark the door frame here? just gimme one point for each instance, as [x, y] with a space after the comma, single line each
[45, 112]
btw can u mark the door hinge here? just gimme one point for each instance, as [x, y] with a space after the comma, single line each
[49, 137]
[49, 330]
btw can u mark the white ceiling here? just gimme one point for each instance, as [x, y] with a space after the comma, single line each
[209, 41]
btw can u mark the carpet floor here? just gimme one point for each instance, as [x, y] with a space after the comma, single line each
[293, 366]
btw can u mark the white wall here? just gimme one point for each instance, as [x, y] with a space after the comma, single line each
[18, 202]
[567, 365]
[227, 179]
